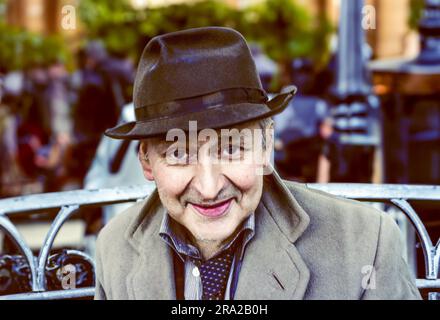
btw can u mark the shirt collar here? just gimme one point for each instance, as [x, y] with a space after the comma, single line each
[176, 236]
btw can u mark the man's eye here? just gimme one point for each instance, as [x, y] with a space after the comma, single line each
[231, 151]
[177, 156]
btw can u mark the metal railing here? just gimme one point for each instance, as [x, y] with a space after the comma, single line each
[399, 196]
[69, 202]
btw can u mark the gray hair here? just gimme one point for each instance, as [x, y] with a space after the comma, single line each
[264, 124]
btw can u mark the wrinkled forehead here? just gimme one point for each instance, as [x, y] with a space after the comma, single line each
[236, 133]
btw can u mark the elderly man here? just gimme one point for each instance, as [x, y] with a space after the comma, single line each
[221, 224]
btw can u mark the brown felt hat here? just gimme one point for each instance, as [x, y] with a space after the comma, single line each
[205, 75]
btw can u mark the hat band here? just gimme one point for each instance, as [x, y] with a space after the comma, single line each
[201, 103]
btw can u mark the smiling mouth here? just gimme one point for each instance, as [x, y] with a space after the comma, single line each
[213, 211]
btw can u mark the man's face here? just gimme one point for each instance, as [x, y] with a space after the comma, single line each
[209, 196]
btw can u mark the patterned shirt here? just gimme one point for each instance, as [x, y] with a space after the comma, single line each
[196, 270]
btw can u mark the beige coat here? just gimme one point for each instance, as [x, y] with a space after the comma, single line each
[308, 245]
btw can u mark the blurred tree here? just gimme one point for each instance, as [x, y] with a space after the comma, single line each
[20, 49]
[9, 47]
[55, 50]
[100, 14]
[284, 29]
[287, 31]
[2, 11]
[184, 16]
[114, 22]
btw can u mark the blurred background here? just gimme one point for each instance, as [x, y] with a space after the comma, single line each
[63, 62]
[367, 110]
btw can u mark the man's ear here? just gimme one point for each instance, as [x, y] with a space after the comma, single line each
[145, 160]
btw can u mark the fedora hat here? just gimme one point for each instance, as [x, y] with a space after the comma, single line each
[203, 74]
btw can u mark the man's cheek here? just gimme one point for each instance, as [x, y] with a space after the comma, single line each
[171, 183]
[243, 177]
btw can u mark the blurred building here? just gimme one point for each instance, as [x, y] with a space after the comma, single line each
[36, 15]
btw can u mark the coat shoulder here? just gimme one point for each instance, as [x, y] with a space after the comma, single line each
[346, 238]
[114, 254]
[337, 210]
[118, 225]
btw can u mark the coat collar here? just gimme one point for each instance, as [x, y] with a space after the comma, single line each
[272, 267]
[152, 277]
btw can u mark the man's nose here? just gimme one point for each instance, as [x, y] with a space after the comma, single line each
[208, 178]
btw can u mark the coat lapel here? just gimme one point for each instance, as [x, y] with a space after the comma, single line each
[152, 277]
[272, 266]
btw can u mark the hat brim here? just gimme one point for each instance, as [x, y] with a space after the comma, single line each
[215, 118]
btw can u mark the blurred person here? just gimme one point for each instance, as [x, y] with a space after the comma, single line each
[115, 165]
[232, 229]
[57, 100]
[33, 109]
[33, 129]
[94, 98]
[45, 124]
[298, 142]
[11, 85]
[103, 81]
[266, 67]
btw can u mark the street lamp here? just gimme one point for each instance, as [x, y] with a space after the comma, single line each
[354, 107]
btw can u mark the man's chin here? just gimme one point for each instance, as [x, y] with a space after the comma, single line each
[211, 237]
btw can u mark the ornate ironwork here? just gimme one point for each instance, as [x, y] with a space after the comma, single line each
[70, 201]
